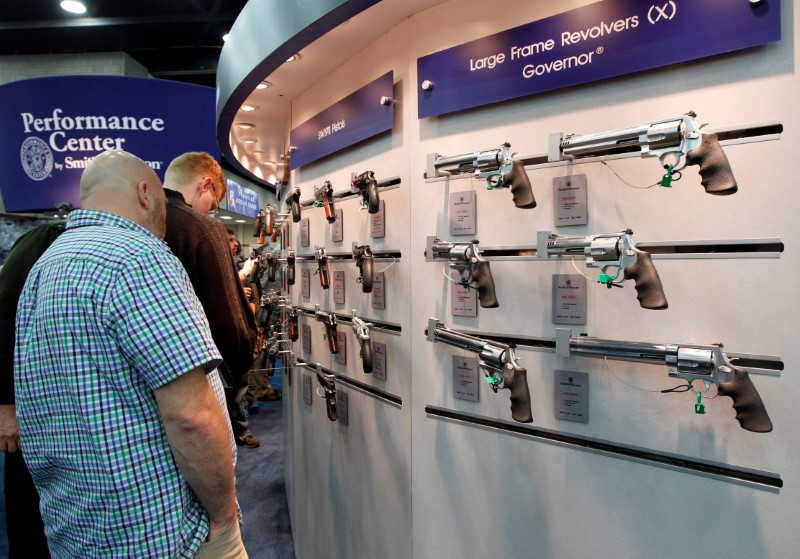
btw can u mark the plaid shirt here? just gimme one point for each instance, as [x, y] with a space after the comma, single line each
[107, 316]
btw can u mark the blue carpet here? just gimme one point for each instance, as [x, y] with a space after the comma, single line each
[260, 486]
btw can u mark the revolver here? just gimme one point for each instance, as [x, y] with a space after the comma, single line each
[467, 260]
[366, 185]
[362, 254]
[361, 330]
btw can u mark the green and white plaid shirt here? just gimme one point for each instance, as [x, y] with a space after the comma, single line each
[107, 316]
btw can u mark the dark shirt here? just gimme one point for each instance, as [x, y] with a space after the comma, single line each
[24, 254]
[201, 244]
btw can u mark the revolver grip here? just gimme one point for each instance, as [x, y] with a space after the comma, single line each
[330, 210]
[366, 275]
[649, 290]
[715, 170]
[366, 355]
[294, 328]
[519, 183]
[295, 205]
[330, 405]
[750, 411]
[482, 276]
[333, 340]
[373, 200]
[324, 275]
[271, 268]
[290, 273]
[515, 378]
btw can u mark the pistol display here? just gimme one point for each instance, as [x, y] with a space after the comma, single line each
[467, 260]
[366, 185]
[328, 383]
[670, 140]
[323, 268]
[612, 252]
[689, 362]
[323, 195]
[362, 254]
[498, 363]
[290, 267]
[361, 330]
[330, 322]
[496, 166]
[294, 204]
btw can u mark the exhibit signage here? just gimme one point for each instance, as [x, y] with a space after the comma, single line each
[355, 118]
[241, 199]
[602, 40]
[54, 126]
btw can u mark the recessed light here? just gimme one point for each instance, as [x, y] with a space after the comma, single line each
[225, 217]
[225, 36]
[245, 125]
[241, 221]
[73, 7]
[248, 107]
[264, 85]
[249, 140]
[293, 58]
[256, 152]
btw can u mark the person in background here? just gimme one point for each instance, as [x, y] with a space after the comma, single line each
[24, 527]
[194, 185]
[125, 441]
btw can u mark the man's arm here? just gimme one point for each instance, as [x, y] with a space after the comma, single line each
[198, 436]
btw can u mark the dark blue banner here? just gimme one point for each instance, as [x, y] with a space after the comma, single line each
[355, 118]
[242, 200]
[53, 127]
[602, 40]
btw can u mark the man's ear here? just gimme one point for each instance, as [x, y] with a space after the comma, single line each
[205, 184]
[144, 194]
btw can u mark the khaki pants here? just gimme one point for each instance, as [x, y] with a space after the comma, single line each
[228, 546]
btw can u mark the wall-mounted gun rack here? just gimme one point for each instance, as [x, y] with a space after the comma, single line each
[367, 389]
[386, 184]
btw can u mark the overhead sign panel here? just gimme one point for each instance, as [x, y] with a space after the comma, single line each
[241, 199]
[602, 40]
[53, 127]
[355, 118]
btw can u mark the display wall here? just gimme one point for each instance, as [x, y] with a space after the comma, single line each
[400, 479]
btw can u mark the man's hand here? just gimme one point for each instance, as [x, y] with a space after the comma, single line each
[247, 268]
[9, 429]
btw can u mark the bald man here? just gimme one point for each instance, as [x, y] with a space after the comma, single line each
[126, 443]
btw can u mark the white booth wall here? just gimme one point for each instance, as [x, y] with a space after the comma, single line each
[397, 482]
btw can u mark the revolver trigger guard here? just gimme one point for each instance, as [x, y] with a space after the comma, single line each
[677, 157]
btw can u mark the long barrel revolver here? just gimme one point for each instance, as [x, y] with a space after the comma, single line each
[498, 363]
[366, 185]
[330, 322]
[611, 252]
[323, 195]
[361, 330]
[362, 254]
[466, 259]
[323, 268]
[689, 362]
[496, 166]
[670, 140]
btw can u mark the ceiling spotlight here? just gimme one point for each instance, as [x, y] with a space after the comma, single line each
[241, 221]
[268, 163]
[248, 107]
[249, 140]
[245, 125]
[225, 217]
[264, 85]
[73, 7]
[225, 37]
[256, 152]
[293, 58]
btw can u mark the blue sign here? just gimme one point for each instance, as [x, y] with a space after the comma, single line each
[355, 118]
[53, 127]
[242, 200]
[602, 40]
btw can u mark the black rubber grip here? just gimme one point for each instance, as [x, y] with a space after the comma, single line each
[290, 271]
[366, 355]
[649, 290]
[263, 315]
[330, 405]
[519, 183]
[295, 205]
[715, 170]
[272, 267]
[515, 378]
[750, 411]
[373, 200]
[482, 276]
[366, 275]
